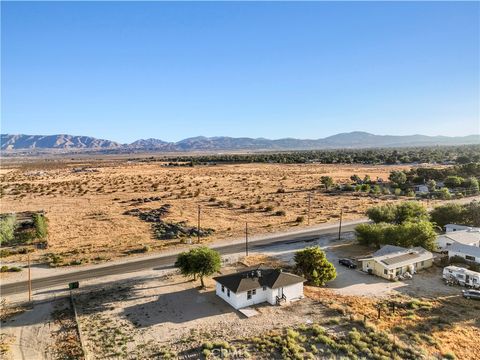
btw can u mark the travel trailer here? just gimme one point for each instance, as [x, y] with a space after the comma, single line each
[455, 275]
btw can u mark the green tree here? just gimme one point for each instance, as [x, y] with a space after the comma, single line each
[7, 229]
[398, 213]
[453, 181]
[41, 228]
[472, 213]
[410, 211]
[471, 184]
[371, 234]
[185, 264]
[408, 234]
[432, 184]
[383, 213]
[201, 261]
[398, 178]
[312, 263]
[443, 193]
[327, 181]
[448, 214]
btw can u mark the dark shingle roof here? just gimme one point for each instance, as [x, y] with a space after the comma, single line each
[257, 277]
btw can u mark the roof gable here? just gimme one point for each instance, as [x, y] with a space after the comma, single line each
[258, 277]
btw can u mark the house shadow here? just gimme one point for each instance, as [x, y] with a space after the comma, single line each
[177, 307]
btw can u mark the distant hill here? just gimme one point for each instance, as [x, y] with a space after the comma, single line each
[355, 139]
[15, 142]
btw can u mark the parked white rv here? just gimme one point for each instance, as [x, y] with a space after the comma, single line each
[460, 276]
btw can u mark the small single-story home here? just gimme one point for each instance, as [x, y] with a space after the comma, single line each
[464, 237]
[391, 261]
[468, 252]
[456, 227]
[257, 285]
[421, 189]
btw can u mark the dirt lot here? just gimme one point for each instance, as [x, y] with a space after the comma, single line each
[158, 313]
[168, 314]
[46, 331]
[85, 202]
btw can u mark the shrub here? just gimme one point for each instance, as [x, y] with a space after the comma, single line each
[7, 229]
[299, 219]
[40, 222]
[280, 213]
[449, 356]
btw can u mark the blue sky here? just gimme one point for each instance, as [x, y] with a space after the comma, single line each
[124, 70]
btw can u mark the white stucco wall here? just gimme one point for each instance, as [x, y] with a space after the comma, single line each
[240, 300]
[463, 255]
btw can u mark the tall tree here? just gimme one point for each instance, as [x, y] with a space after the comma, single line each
[398, 213]
[314, 265]
[201, 261]
[408, 234]
[398, 178]
[448, 214]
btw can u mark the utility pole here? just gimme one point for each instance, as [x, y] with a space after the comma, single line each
[29, 280]
[340, 225]
[198, 225]
[309, 207]
[246, 239]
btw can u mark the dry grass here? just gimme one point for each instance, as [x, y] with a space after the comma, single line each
[85, 208]
[441, 325]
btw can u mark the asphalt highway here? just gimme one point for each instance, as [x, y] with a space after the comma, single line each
[162, 261]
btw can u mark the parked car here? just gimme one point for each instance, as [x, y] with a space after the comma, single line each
[348, 263]
[471, 294]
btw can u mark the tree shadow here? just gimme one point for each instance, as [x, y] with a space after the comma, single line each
[177, 307]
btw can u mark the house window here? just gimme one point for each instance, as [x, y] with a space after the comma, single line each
[223, 288]
[249, 295]
[228, 292]
[254, 291]
[468, 257]
[385, 271]
[264, 288]
[423, 263]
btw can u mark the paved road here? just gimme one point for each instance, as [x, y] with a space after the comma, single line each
[160, 261]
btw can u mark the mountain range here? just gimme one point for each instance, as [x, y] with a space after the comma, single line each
[356, 139]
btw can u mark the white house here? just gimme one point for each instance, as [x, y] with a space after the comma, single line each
[468, 252]
[456, 227]
[257, 285]
[391, 261]
[464, 237]
[421, 189]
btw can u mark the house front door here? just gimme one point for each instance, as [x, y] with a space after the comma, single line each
[280, 292]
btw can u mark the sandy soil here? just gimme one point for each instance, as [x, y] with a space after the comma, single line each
[85, 208]
[158, 309]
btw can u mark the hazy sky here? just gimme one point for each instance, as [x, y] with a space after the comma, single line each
[125, 70]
